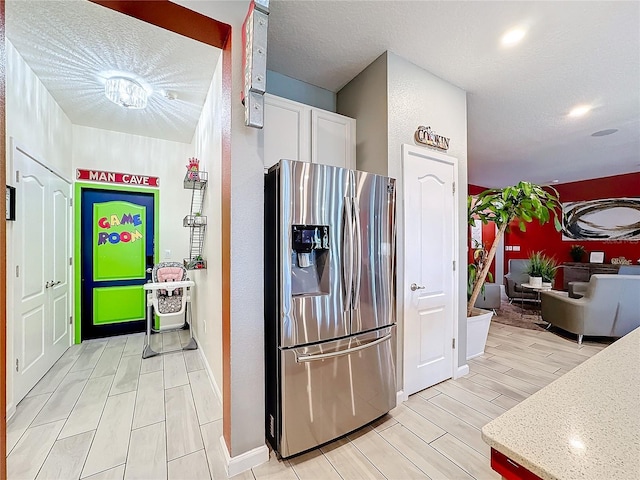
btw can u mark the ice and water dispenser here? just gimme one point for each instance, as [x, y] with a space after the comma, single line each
[310, 259]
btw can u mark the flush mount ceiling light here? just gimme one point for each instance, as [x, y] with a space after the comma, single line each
[513, 37]
[580, 110]
[125, 92]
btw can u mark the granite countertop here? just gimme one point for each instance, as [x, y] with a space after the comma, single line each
[585, 425]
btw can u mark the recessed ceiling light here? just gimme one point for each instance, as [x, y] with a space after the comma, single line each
[513, 37]
[604, 133]
[555, 181]
[580, 110]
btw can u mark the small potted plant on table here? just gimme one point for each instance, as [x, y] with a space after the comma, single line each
[576, 252]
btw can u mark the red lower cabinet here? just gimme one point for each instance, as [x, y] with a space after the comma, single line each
[510, 469]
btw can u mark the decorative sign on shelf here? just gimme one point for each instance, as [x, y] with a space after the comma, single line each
[254, 62]
[426, 136]
[118, 178]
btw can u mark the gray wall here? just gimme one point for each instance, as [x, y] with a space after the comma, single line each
[417, 97]
[389, 99]
[299, 91]
[365, 98]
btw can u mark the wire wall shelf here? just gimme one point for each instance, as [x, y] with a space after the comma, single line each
[196, 181]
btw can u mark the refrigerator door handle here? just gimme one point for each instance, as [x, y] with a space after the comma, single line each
[340, 353]
[347, 249]
[357, 253]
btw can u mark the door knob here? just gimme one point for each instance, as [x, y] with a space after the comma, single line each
[47, 285]
[53, 284]
[415, 287]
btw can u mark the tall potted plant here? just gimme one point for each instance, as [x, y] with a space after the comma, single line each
[525, 202]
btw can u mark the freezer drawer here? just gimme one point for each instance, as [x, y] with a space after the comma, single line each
[333, 388]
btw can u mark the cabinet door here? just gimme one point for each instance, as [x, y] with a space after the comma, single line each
[333, 139]
[286, 131]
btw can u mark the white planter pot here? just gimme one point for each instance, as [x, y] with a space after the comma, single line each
[535, 281]
[477, 332]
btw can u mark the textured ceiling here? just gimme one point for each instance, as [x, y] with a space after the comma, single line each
[73, 45]
[518, 98]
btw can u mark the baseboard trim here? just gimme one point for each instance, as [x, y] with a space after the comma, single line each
[244, 461]
[461, 371]
[401, 397]
[207, 368]
[474, 356]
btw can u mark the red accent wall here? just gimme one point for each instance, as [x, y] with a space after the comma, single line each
[488, 235]
[546, 237]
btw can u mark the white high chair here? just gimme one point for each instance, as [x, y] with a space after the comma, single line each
[168, 294]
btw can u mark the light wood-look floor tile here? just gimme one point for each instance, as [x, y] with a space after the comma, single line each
[116, 473]
[175, 371]
[111, 441]
[274, 469]
[466, 458]
[449, 423]
[66, 458]
[474, 388]
[313, 465]
[151, 364]
[384, 422]
[183, 429]
[147, 457]
[87, 411]
[211, 433]
[150, 400]
[30, 453]
[193, 360]
[26, 411]
[419, 425]
[462, 411]
[192, 466]
[426, 458]
[512, 392]
[349, 462]
[53, 377]
[389, 461]
[90, 355]
[61, 402]
[126, 379]
[109, 361]
[208, 407]
[134, 345]
[470, 399]
[497, 381]
[505, 402]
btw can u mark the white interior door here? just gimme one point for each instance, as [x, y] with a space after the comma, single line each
[42, 286]
[429, 249]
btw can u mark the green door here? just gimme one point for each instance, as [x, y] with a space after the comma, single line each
[117, 243]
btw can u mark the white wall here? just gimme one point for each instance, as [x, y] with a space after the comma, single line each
[247, 231]
[207, 295]
[36, 122]
[417, 97]
[365, 99]
[95, 148]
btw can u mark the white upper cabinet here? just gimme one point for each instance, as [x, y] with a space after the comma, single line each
[295, 131]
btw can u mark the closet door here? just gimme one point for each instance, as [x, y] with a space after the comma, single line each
[41, 330]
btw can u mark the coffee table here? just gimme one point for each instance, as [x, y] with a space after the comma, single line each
[528, 286]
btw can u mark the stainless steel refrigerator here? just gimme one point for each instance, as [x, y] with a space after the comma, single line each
[329, 302]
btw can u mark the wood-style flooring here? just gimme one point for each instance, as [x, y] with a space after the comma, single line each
[104, 413]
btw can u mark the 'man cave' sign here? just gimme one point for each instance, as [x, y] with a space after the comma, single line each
[119, 178]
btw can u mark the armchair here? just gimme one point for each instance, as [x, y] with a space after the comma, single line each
[513, 280]
[610, 307]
